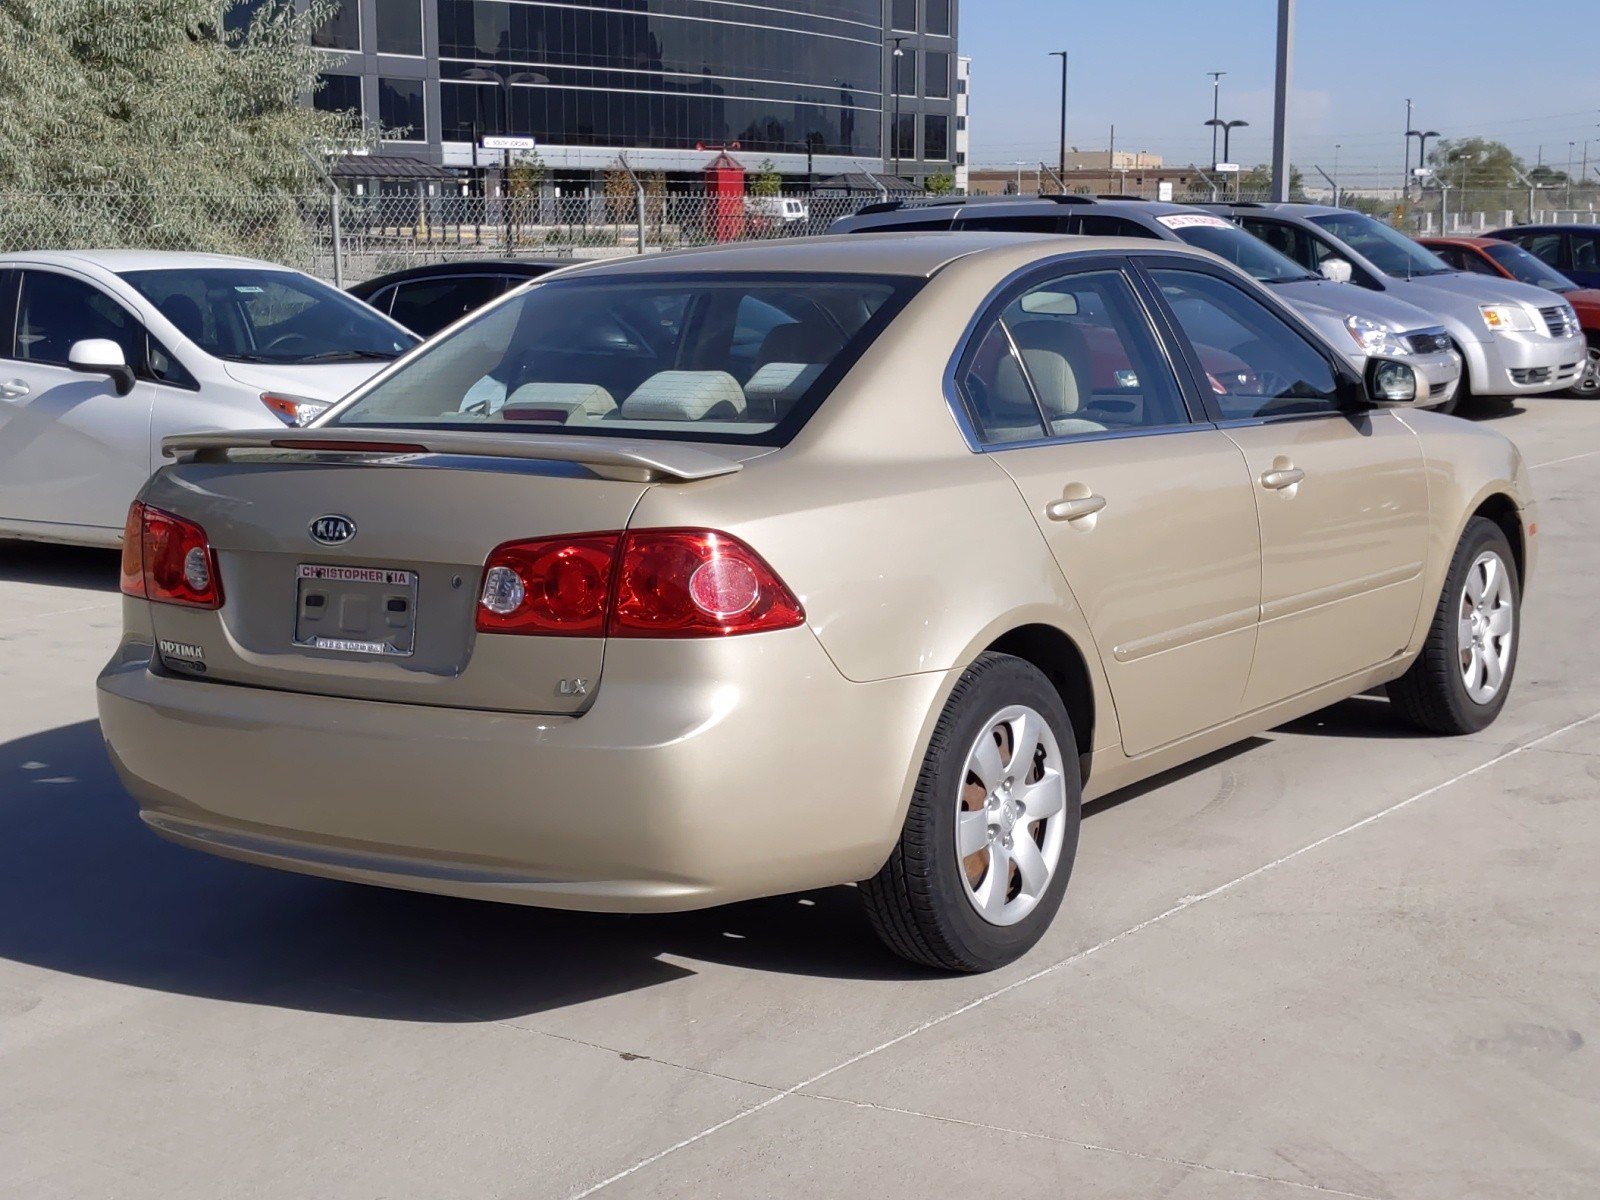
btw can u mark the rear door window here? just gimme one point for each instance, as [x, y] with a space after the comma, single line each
[1100, 225]
[1015, 223]
[425, 306]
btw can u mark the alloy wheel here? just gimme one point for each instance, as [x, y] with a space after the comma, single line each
[1486, 627]
[1011, 815]
[1589, 382]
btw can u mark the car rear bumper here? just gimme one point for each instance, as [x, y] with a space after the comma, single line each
[704, 773]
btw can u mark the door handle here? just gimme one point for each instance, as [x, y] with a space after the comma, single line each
[14, 390]
[1074, 508]
[1282, 477]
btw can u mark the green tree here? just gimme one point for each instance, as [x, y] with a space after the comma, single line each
[189, 129]
[1257, 181]
[766, 181]
[940, 185]
[1475, 163]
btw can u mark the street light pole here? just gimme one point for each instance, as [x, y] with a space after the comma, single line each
[1281, 166]
[1216, 86]
[1422, 136]
[1570, 147]
[1062, 168]
[1336, 148]
[1405, 173]
[894, 73]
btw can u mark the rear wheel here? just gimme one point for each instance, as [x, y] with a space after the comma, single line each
[1460, 681]
[992, 830]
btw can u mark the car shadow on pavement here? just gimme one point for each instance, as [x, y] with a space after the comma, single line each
[1364, 716]
[86, 889]
[59, 566]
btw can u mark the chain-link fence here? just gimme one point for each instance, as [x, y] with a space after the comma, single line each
[348, 238]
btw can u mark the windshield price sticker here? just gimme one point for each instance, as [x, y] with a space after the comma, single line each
[1191, 220]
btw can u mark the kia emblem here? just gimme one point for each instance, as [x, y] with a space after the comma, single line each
[332, 530]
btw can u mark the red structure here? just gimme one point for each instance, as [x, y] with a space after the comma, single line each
[725, 185]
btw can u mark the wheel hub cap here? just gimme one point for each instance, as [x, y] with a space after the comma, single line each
[1487, 627]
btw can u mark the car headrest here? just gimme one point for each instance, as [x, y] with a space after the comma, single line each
[686, 396]
[772, 390]
[800, 342]
[542, 401]
[1052, 377]
[185, 313]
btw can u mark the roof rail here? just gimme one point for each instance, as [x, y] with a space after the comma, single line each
[1116, 196]
[1245, 204]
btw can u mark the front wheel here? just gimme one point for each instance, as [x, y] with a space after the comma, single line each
[1460, 681]
[1588, 385]
[992, 829]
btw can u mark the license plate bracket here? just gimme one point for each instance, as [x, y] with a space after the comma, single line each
[355, 610]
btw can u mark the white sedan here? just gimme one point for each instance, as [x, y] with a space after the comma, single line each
[104, 353]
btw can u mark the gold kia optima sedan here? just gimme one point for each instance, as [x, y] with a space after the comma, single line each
[676, 581]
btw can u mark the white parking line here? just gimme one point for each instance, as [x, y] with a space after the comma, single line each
[1182, 905]
[1556, 462]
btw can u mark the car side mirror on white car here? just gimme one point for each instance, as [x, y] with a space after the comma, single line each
[1336, 270]
[1391, 383]
[102, 356]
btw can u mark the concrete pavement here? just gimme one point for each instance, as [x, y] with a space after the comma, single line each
[1340, 959]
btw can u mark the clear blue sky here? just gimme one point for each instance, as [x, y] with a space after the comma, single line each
[1522, 73]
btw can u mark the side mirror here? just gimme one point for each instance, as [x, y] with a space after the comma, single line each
[102, 356]
[1391, 383]
[1336, 270]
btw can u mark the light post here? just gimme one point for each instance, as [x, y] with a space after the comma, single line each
[481, 75]
[1062, 168]
[1227, 128]
[1422, 137]
[1570, 147]
[894, 74]
[1216, 94]
[1405, 175]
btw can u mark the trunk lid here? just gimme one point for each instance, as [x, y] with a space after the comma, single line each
[388, 613]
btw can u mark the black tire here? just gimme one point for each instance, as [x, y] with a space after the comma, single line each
[918, 902]
[1588, 385]
[1432, 694]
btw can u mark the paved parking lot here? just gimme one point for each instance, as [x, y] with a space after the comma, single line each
[1339, 959]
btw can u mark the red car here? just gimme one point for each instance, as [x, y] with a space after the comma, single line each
[1487, 256]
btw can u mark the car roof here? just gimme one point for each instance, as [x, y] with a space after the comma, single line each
[920, 254]
[1286, 208]
[1121, 205]
[526, 268]
[1548, 227]
[119, 261]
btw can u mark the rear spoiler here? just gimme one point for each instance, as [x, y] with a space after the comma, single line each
[612, 458]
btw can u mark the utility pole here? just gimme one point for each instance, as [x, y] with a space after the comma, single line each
[1570, 148]
[1280, 104]
[1337, 146]
[1333, 181]
[1019, 164]
[1405, 174]
[1062, 166]
[1216, 85]
[894, 129]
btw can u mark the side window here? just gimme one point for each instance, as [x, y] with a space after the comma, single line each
[1255, 362]
[54, 311]
[1544, 246]
[1471, 260]
[1585, 253]
[1286, 240]
[1099, 225]
[382, 299]
[1453, 255]
[1072, 356]
[1016, 223]
[161, 367]
[426, 306]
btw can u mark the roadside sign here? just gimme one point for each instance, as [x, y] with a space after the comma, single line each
[1422, 172]
[1164, 191]
[503, 142]
[1228, 168]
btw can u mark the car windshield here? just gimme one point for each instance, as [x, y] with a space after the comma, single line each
[697, 358]
[1528, 269]
[1225, 239]
[259, 315]
[1387, 249]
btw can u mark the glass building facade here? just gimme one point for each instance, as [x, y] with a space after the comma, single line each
[791, 80]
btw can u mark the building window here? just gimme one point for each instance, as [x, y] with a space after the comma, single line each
[905, 136]
[338, 93]
[936, 17]
[935, 137]
[341, 31]
[936, 74]
[401, 110]
[903, 15]
[399, 26]
[905, 73]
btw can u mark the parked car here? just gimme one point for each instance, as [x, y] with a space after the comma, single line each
[1574, 250]
[1507, 260]
[428, 299]
[104, 353]
[1516, 340]
[791, 564]
[1360, 323]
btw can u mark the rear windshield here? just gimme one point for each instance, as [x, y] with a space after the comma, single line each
[695, 358]
[1244, 250]
[259, 315]
[1528, 269]
[1387, 249]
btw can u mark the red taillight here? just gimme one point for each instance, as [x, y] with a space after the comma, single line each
[650, 583]
[168, 559]
[133, 551]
